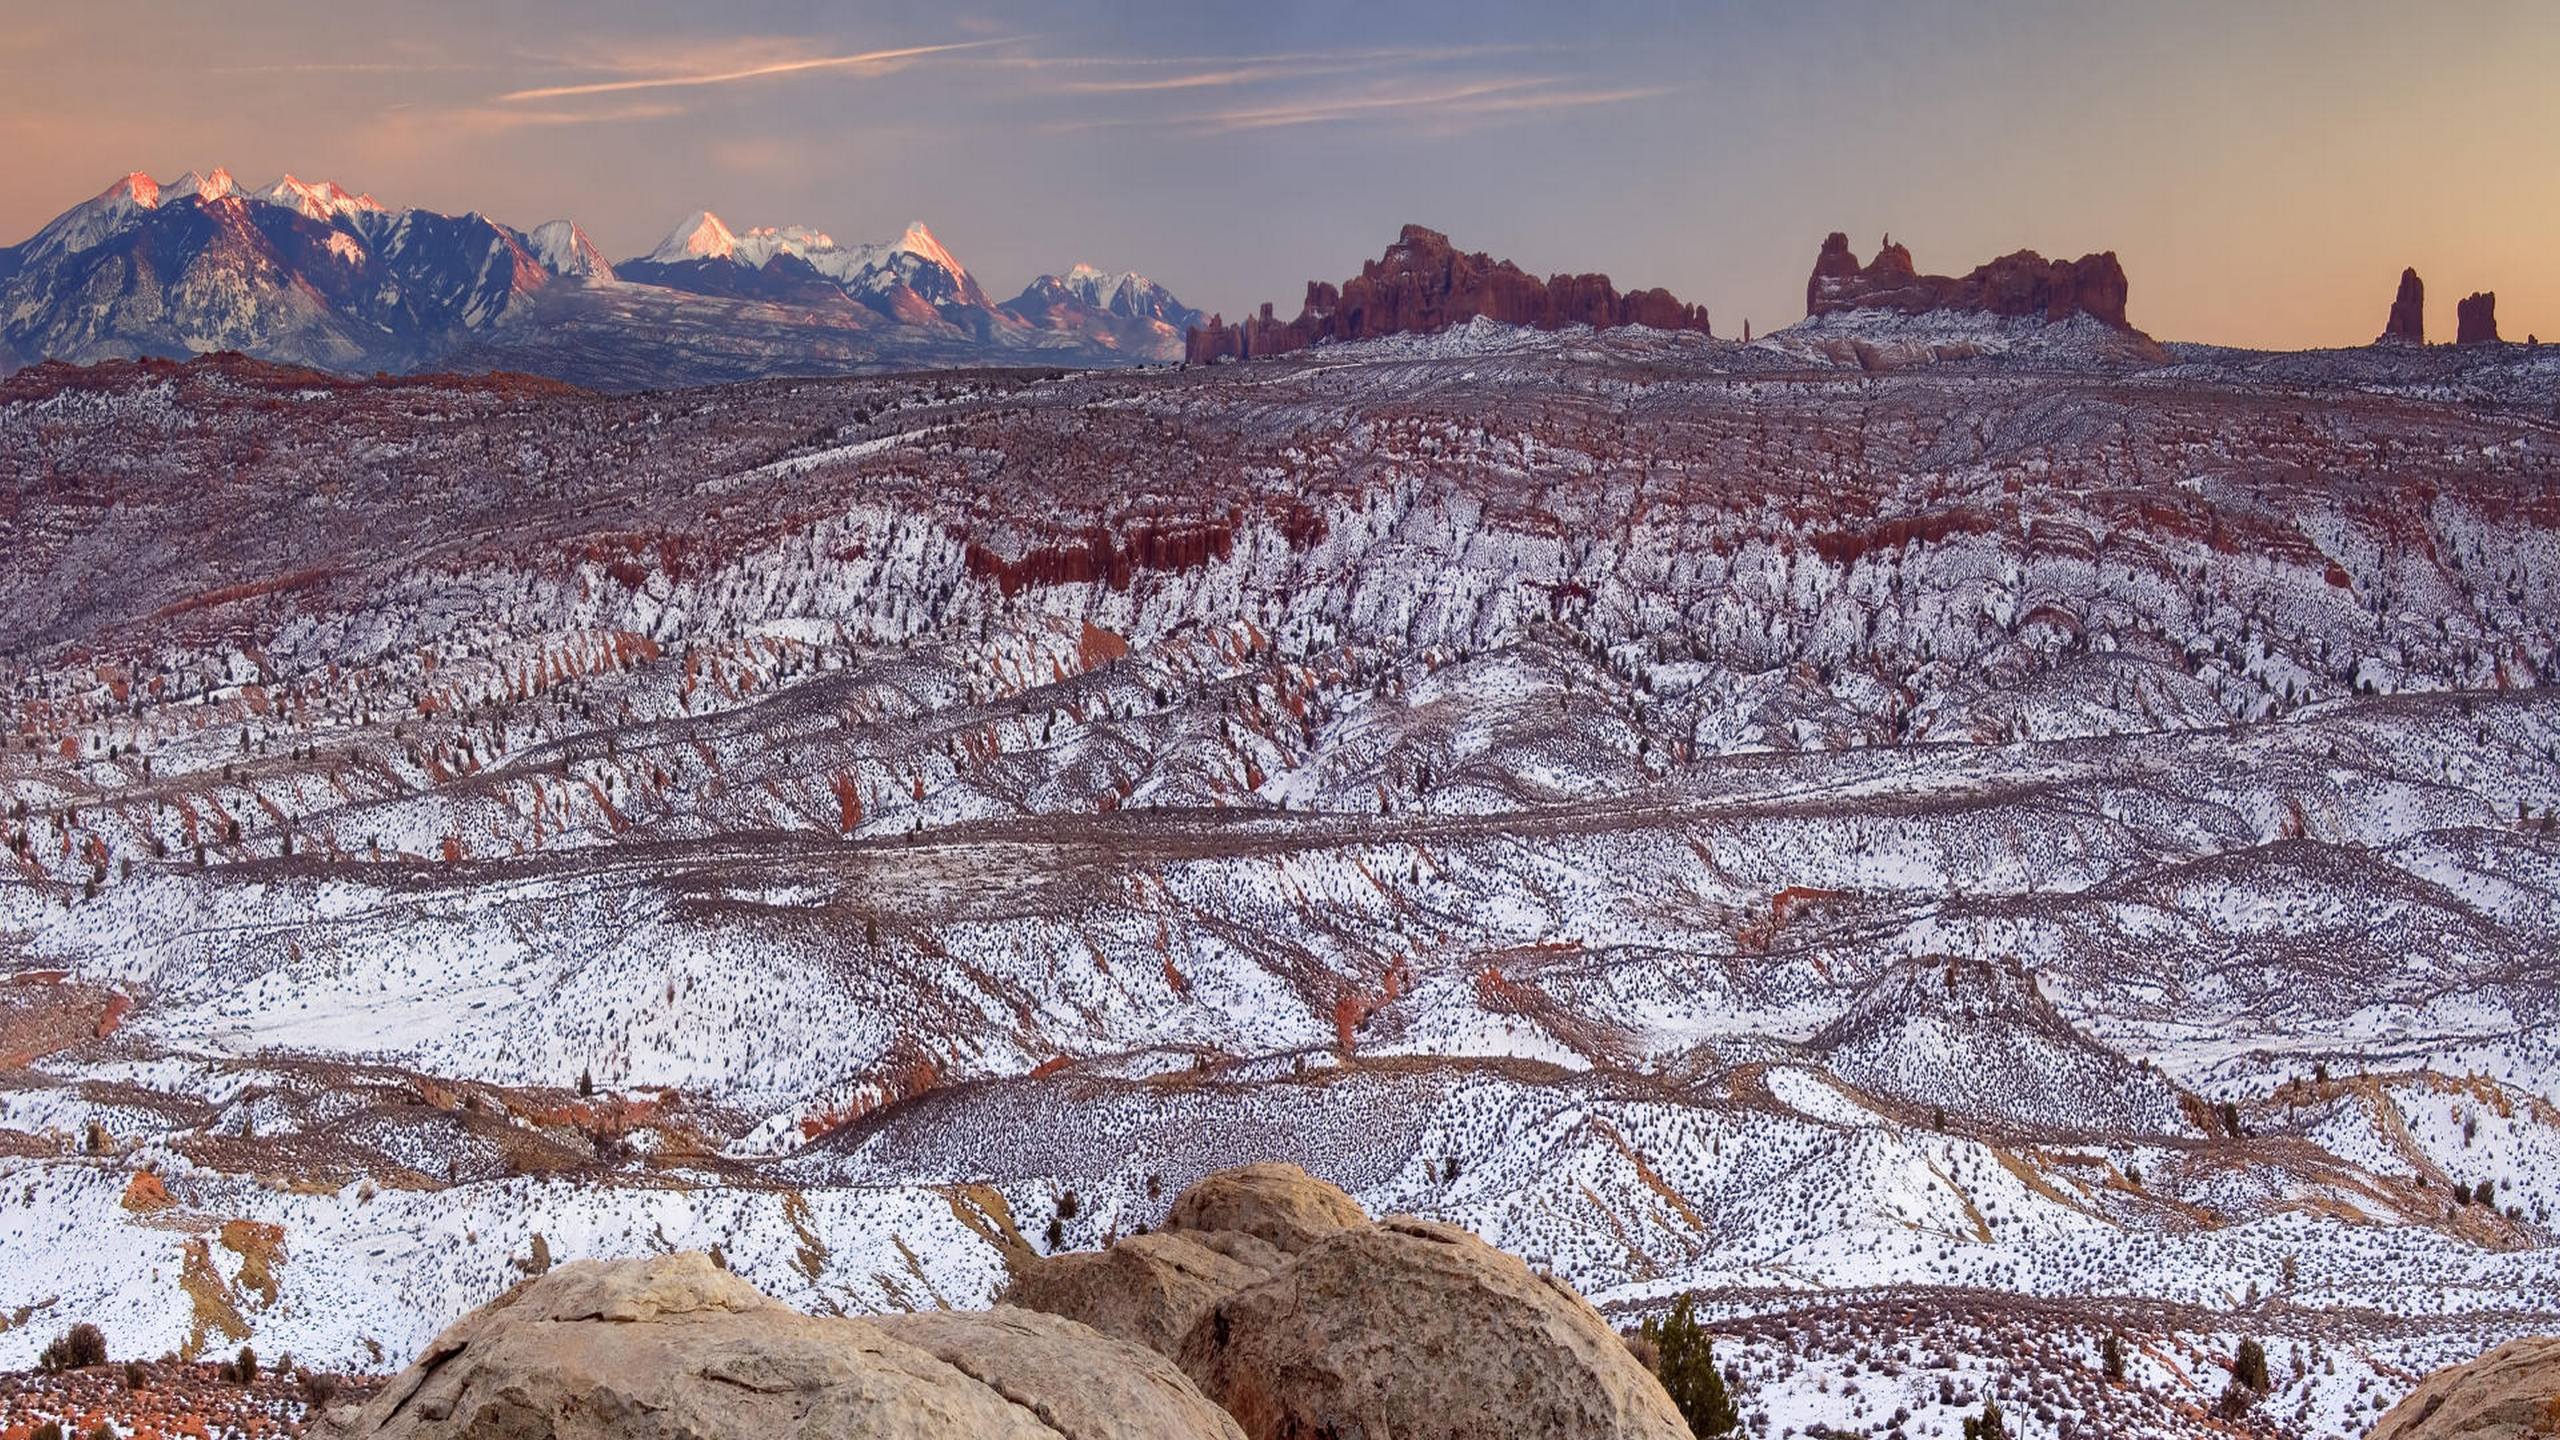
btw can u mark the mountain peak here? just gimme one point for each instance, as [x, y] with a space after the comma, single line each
[920, 242]
[700, 237]
[136, 189]
[325, 200]
[564, 249]
[215, 185]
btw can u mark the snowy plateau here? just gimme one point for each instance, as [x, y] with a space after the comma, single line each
[1944, 861]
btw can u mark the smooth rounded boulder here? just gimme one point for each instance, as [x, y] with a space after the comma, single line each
[1420, 1331]
[1144, 1289]
[1079, 1383]
[2511, 1393]
[1279, 1204]
[673, 1348]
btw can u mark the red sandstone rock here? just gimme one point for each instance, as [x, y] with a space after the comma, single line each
[2476, 320]
[1423, 284]
[2408, 323]
[2020, 284]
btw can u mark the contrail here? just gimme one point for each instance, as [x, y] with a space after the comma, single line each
[779, 67]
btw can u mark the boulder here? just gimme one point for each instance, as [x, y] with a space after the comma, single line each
[1077, 1382]
[673, 1348]
[1420, 1331]
[2511, 1393]
[2408, 322]
[2476, 319]
[1279, 1204]
[1145, 1289]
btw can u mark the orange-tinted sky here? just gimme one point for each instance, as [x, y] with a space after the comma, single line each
[2263, 167]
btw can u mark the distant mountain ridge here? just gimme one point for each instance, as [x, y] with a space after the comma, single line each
[315, 274]
[298, 272]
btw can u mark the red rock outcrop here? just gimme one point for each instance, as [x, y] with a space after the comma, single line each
[2476, 320]
[1423, 284]
[2408, 323]
[2020, 284]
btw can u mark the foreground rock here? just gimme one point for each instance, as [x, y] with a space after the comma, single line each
[1078, 1383]
[1146, 1289]
[1420, 1331]
[2511, 1393]
[1280, 1204]
[1424, 284]
[671, 1346]
[1229, 1230]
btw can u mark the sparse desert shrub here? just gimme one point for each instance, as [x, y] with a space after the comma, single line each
[1988, 1425]
[1057, 1234]
[135, 1377]
[1068, 1205]
[318, 1388]
[244, 1369]
[1685, 1363]
[77, 1348]
[2111, 1356]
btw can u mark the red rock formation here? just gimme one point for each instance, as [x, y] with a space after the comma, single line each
[2408, 323]
[2020, 284]
[2476, 320]
[1423, 284]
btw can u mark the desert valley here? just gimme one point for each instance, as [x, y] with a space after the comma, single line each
[2003, 857]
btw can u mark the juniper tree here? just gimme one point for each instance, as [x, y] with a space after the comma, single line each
[1988, 1425]
[1686, 1367]
[2250, 1366]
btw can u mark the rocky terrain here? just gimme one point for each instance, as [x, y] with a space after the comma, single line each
[1948, 852]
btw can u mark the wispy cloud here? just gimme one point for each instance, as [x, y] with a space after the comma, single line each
[337, 67]
[1198, 80]
[1432, 54]
[868, 59]
[495, 117]
[1448, 106]
[1325, 110]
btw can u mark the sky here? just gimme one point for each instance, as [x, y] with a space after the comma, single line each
[2263, 168]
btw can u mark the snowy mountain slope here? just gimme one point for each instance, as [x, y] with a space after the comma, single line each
[1127, 311]
[307, 273]
[916, 284]
[1579, 759]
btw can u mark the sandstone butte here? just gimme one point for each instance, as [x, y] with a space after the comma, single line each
[1424, 284]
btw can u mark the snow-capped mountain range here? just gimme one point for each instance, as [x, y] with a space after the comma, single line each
[314, 274]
